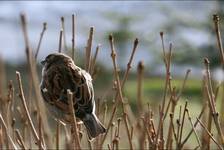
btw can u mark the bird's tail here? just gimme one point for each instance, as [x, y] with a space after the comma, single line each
[93, 125]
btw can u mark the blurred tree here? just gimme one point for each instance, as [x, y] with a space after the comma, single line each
[185, 51]
[122, 33]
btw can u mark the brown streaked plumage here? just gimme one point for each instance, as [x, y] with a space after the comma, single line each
[60, 74]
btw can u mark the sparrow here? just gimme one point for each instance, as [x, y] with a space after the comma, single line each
[59, 74]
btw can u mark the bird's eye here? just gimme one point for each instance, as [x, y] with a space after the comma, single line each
[43, 62]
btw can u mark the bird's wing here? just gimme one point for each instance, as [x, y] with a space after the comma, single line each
[84, 96]
[55, 84]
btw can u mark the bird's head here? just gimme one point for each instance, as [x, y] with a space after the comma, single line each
[56, 58]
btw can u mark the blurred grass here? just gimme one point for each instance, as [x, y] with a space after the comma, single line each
[153, 90]
[153, 87]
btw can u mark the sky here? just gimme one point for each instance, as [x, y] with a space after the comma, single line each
[149, 18]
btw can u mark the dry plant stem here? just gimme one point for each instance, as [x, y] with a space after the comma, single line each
[129, 63]
[105, 113]
[109, 147]
[173, 106]
[140, 72]
[64, 37]
[209, 126]
[74, 123]
[179, 125]
[218, 35]
[217, 92]
[22, 97]
[214, 114]
[209, 84]
[113, 56]
[211, 97]
[88, 49]
[96, 143]
[112, 130]
[40, 133]
[73, 36]
[1, 137]
[29, 105]
[40, 40]
[67, 137]
[6, 131]
[132, 132]
[182, 123]
[20, 139]
[147, 130]
[172, 126]
[210, 134]
[206, 138]
[89, 144]
[57, 135]
[160, 144]
[189, 118]
[195, 124]
[118, 127]
[167, 108]
[122, 86]
[163, 48]
[2, 76]
[127, 130]
[184, 84]
[222, 106]
[35, 80]
[92, 65]
[109, 124]
[60, 40]
[10, 107]
[167, 61]
[196, 147]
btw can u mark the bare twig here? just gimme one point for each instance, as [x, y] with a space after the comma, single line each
[182, 123]
[20, 139]
[64, 37]
[189, 118]
[172, 126]
[40, 133]
[109, 147]
[6, 131]
[92, 65]
[195, 124]
[35, 80]
[22, 97]
[210, 134]
[184, 84]
[73, 36]
[114, 109]
[163, 48]
[211, 99]
[218, 35]
[135, 44]
[128, 132]
[105, 113]
[60, 40]
[140, 73]
[57, 134]
[167, 61]
[88, 49]
[113, 56]
[74, 123]
[40, 40]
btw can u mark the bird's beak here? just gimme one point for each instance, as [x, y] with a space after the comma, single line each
[43, 62]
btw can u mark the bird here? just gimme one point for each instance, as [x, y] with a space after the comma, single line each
[59, 74]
